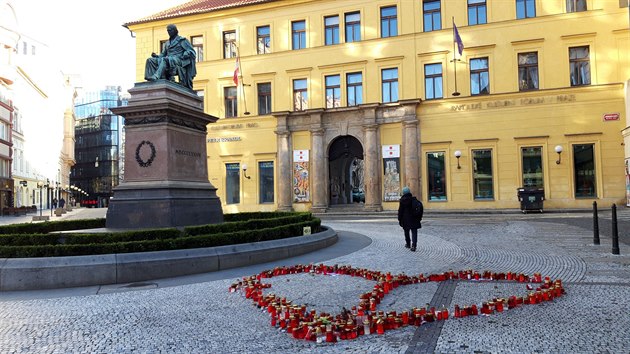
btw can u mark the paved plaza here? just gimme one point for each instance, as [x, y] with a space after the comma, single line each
[197, 314]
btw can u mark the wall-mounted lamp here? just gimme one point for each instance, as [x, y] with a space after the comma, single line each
[559, 151]
[245, 171]
[458, 154]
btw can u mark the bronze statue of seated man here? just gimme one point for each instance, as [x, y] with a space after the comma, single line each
[177, 59]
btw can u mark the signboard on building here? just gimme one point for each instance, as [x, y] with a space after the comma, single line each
[611, 116]
[300, 155]
[627, 182]
[391, 151]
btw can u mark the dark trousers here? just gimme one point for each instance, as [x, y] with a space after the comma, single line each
[414, 236]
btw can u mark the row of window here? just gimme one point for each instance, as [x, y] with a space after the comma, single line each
[477, 14]
[579, 65]
[532, 172]
[483, 176]
[265, 182]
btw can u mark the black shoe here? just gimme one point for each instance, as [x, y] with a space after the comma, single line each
[407, 246]
[413, 248]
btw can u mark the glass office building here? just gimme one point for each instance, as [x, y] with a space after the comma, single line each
[98, 146]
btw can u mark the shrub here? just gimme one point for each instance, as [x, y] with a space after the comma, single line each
[244, 228]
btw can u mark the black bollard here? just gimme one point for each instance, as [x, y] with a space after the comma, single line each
[615, 234]
[595, 225]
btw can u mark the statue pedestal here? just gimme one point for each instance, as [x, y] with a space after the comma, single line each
[166, 170]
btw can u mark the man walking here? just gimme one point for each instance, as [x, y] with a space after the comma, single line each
[410, 212]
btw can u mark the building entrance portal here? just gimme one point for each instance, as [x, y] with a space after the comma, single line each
[346, 171]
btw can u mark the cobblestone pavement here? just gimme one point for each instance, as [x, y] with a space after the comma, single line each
[204, 317]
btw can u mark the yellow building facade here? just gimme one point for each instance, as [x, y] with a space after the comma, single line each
[342, 103]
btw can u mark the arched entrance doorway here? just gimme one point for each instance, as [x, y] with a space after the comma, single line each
[345, 171]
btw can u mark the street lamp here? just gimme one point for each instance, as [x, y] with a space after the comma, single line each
[73, 194]
[51, 193]
[47, 185]
[40, 185]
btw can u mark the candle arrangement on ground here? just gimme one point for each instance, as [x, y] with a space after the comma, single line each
[365, 319]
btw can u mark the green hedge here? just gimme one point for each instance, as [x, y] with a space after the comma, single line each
[252, 223]
[52, 226]
[79, 238]
[257, 215]
[68, 244]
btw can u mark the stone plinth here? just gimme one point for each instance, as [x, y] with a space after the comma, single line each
[166, 170]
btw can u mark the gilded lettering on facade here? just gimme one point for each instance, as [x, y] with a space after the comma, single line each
[226, 126]
[234, 126]
[503, 103]
[466, 107]
[226, 139]
[535, 100]
[511, 103]
[565, 98]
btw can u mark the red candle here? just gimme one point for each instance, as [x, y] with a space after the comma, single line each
[484, 308]
[500, 305]
[405, 318]
[331, 337]
[473, 310]
[532, 298]
[380, 326]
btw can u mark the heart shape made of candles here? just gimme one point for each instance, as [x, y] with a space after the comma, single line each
[364, 319]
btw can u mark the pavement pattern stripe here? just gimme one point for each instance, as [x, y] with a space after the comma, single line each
[425, 338]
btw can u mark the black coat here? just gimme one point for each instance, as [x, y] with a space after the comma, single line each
[406, 219]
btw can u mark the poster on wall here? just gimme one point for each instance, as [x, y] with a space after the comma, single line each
[301, 187]
[391, 173]
[628, 182]
[391, 179]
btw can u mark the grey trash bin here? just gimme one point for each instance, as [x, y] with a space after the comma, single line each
[531, 199]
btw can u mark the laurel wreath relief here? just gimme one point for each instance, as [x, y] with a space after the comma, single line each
[149, 161]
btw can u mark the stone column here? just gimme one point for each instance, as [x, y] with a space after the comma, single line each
[318, 161]
[372, 180]
[285, 180]
[411, 162]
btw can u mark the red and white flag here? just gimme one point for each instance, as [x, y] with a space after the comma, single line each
[237, 70]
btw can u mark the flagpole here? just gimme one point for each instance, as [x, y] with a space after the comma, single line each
[456, 93]
[240, 81]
